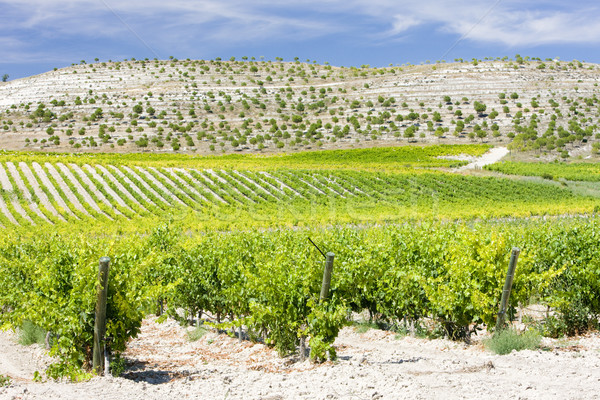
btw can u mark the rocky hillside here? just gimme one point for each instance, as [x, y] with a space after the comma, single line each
[545, 107]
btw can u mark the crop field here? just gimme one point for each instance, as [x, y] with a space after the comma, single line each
[576, 171]
[173, 170]
[39, 189]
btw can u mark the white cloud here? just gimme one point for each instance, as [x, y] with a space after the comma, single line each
[512, 23]
[402, 23]
[175, 24]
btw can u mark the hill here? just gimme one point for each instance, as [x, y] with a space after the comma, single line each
[203, 107]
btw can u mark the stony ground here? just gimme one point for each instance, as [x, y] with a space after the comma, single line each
[242, 106]
[164, 363]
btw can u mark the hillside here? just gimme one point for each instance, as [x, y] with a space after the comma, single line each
[218, 106]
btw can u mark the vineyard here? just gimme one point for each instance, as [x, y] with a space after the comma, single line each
[173, 170]
[247, 269]
[312, 188]
[576, 171]
[436, 276]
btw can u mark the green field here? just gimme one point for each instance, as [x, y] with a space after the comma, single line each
[128, 193]
[573, 171]
[414, 240]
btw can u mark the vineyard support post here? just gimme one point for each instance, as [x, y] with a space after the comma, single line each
[326, 276]
[512, 265]
[100, 322]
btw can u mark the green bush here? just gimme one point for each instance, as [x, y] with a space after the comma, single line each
[197, 333]
[507, 340]
[5, 380]
[31, 334]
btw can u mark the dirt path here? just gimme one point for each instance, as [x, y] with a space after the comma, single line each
[20, 362]
[494, 155]
[163, 363]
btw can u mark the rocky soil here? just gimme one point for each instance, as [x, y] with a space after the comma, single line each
[163, 363]
[207, 107]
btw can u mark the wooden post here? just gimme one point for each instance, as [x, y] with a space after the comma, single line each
[303, 348]
[326, 276]
[512, 265]
[100, 323]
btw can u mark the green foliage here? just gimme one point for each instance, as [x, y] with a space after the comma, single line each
[197, 333]
[52, 284]
[576, 171]
[269, 280]
[373, 159]
[30, 333]
[5, 380]
[507, 340]
[324, 323]
[117, 365]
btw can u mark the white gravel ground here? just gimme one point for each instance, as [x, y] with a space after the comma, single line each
[164, 364]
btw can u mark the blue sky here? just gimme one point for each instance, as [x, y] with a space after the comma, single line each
[38, 35]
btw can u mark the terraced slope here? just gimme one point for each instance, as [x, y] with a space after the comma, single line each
[199, 106]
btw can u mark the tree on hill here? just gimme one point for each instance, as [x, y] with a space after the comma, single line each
[479, 107]
[4, 77]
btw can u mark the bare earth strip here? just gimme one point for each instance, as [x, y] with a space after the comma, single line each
[6, 185]
[173, 185]
[261, 181]
[239, 182]
[311, 185]
[20, 362]
[86, 180]
[282, 185]
[39, 192]
[145, 185]
[162, 187]
[245, 179]
[333, 181]
[317, 183]
[347, 183]
[81, 190]
[19, 208]
[164, 364]
[186, 185]
[4, 181]
[212, 180]
[100, 179]
[6, 212]
[66, 190]
[21, 186]
[128, 181]
[201, 184]
[214, 175]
